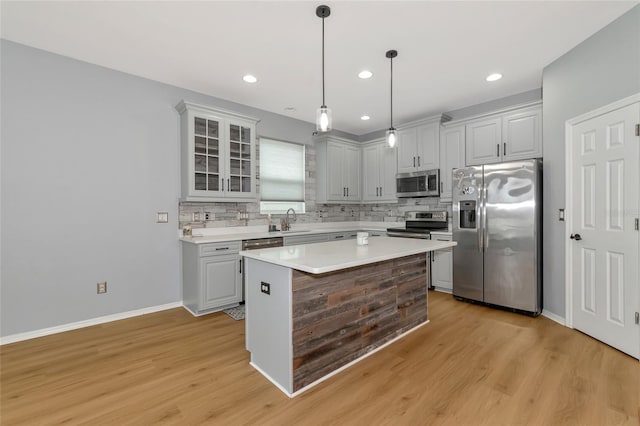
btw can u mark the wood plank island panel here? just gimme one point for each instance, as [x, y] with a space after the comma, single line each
[340, 316]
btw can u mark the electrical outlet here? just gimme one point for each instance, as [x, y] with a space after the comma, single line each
[162, 217]
[208, 216]
[196, 216]
[102, 287]
[265, 287]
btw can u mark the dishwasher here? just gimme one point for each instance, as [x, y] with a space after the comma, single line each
[258, 243]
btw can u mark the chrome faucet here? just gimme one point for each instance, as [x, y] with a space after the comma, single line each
[284, 223]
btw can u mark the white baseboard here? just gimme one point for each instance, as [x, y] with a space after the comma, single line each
[86, 323]
[553, 317]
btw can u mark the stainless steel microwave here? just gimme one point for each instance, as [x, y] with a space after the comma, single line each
[418, 184]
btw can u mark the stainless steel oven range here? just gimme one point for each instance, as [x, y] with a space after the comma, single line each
[420, 225]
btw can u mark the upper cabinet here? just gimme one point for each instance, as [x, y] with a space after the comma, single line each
[379, 168]
[419, 145]
[338, 170]
[218, 153]
[512, 135]
[452, 144]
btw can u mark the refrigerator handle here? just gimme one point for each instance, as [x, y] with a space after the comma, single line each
[485, 243]
[479, 228]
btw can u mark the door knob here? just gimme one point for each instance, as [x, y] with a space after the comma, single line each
[576, 237]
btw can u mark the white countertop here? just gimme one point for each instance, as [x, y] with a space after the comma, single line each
[238, 233]
[318, 258]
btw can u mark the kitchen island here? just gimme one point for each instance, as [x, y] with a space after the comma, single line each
[313, 310]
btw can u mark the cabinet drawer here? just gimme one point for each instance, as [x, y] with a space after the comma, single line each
[214, 249]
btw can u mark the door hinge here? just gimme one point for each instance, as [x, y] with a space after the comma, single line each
[637, 129]
[637, 317]
[637, 224]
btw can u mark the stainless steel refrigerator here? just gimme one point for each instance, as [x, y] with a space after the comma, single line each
[497, 223]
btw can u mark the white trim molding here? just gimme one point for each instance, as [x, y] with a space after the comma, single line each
[13, 338]
[553, 317]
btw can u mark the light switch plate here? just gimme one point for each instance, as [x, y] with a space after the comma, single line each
[561, 215]
[162, 217]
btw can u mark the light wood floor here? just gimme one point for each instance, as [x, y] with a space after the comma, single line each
[469, 366]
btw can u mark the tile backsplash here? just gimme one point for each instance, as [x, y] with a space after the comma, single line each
[226, 214]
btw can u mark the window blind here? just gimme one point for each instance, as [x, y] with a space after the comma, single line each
[281, 171]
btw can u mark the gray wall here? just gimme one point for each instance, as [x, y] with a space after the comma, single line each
[600, 70]
[88, 156]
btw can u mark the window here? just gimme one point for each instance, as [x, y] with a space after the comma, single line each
[281, 176]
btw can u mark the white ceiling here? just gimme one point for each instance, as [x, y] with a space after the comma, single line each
[445, 49]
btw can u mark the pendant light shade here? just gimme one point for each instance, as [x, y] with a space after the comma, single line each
[392, 135]
[323, 114]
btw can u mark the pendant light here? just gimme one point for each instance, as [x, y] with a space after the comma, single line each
[392, 135]
[323, 114]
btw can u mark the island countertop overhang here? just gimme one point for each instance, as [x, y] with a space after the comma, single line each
[320, 258]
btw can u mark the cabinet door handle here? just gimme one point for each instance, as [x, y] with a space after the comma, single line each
[377, 191]
[240, 266]
[381, 191]
[222, 185]
[504, 149]
[228, 184]
[418, 161]
[498, 150]
[441, 186]
[347, 191]
[414, 161]
[222, 248]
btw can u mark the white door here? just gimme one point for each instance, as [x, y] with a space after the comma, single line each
[336, 190]
[522, 135]
[389, 167]
[451, 157]
[351, 173]
[407, 149]
[428, 146]
[604, 250]
[370, 173]
[484, 140]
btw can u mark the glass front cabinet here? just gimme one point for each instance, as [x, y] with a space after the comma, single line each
[218, 154]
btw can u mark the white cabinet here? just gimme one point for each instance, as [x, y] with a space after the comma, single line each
[218, 152]
[338, 171]
[379, 165]
[452, 144]
[419, 145]
[513, 135]
[293, 240]
[211, 276]
[442, 266]
[522, 134]
[349, 235]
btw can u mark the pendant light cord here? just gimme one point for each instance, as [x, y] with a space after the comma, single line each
[323, 104]
[391, 93]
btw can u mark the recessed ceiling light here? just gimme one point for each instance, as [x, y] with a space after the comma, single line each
[494, 77]
[365, 117]
[249, 78]
[365, 74]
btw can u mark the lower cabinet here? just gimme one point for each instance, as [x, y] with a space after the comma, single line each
[305, 239]
[442, 266]
[349, 235]
[211, 276]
